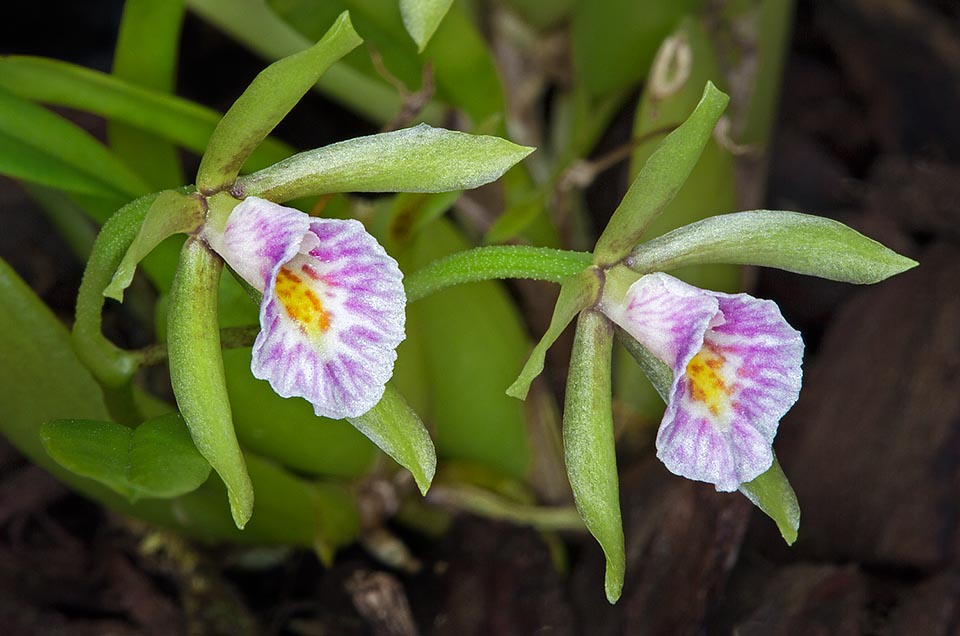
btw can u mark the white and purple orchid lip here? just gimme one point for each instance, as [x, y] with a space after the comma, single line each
[736, 371]
[333, 304]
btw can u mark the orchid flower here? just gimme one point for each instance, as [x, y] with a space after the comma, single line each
[736, 372]
[332, 312]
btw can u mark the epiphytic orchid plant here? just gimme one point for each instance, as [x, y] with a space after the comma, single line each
[333, 307]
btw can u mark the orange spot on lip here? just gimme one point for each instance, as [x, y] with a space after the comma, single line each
[300, 302]
[705, 382]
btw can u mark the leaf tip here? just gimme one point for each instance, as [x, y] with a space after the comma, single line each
[790, 531]
[241, 508]
[613, 584]
[116, 288]
[519, 388]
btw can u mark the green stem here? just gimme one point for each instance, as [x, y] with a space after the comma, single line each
[230, 338]
[493, 262]
[487, 504]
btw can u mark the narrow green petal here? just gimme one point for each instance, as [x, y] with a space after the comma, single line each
[576, 294]
[772, 493]
[660, 178]
[268, 99]
[397, 430]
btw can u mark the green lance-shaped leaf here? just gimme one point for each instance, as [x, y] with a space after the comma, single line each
[588, 443]
[576, 294]
[417, 159]
[39, 146]
[181, 121]
[156, 459]
[771, 492]
[800, 243]
[660, 179]
[397, 430]
[196, 372]
[171, 213]
[422, 17]
[271, 95]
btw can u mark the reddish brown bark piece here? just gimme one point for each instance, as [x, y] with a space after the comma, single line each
[500, 580]
[931, 609]
[682, 539]
[873, 446]
[805, 600]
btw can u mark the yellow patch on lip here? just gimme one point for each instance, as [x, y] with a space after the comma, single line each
[706, 382]
[300, 302]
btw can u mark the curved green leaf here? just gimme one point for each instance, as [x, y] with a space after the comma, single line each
[196, 372]
[660, 179]
[42, 147]
[156, 459]
[270, 96]
[795, 242]
[179, 120]
[588, 443]
[111, 365]
[417, 159]
[422, 17]
[397, 430]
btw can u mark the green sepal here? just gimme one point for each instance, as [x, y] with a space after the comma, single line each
[417, 159]
[660, 179]
[795, 242]
[588, 443]
[422, 17]
[271, 95]
[156, 459]
[772, 493]
[397, 430]
[576, 294]
[196, 372]
[170, 213]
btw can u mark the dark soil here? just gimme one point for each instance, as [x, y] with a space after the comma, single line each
[869, 134]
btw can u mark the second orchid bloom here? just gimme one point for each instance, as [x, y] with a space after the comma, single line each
[736, 371]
